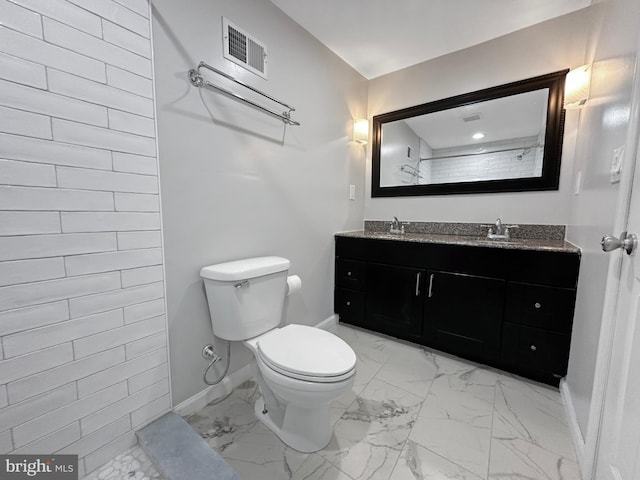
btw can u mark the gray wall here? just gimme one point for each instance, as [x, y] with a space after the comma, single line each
[548, 47]
[612, 44]
[235, 183]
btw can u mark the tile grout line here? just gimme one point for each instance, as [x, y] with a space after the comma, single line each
[493, 416]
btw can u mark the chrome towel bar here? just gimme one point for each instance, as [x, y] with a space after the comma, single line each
[198, 80]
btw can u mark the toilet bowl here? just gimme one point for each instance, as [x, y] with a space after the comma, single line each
[298, 389]
[300, 369]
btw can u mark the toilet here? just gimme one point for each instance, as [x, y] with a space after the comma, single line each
[300, 369]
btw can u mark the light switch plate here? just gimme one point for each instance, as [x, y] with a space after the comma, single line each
[352, 192]
[616, 164]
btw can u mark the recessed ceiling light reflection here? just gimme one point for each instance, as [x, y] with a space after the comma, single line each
[478, 136]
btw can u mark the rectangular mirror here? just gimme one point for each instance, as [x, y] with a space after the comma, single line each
[502, 139]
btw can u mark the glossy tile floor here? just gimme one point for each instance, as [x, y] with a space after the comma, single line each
[412, 414]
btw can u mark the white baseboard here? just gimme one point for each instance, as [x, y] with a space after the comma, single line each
[328, 322]
[572, 418]
[226, 386]
[214, 392]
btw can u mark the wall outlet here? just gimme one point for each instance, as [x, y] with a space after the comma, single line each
[352, 192]
[616, 164]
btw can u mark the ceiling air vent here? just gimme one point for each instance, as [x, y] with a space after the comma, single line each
[472, 117]
[243, 49]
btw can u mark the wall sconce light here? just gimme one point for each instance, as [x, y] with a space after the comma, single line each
[361, 131]
[576, 89]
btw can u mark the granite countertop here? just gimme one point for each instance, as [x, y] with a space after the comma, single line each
[546, 245]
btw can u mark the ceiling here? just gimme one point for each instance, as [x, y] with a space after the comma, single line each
[377, 37]
[502, 119]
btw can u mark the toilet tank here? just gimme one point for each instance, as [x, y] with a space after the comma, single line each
[246, 297]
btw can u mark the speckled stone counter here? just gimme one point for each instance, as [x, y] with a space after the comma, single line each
[468, 240]
[520, 231]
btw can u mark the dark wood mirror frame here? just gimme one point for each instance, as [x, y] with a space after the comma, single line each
[552, 147]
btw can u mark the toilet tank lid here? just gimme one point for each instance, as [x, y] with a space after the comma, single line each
[245, 269]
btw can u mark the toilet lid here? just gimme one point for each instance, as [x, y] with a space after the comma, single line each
[307, 351]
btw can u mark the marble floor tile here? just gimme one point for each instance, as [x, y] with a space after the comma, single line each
[464, 394]
[317, 468]
[259, 454]
[461, 442]
[533, 413]
[366, 369]
[517, 459]
[461, 373]
[411, 369]
[369, 436]
[371, 346]
[419, 463]
[456, 417]
[412, 414]
[339, 406]
[224, 422]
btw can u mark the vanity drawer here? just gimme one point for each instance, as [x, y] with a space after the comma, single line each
[540, 354]
[539, 306]
[349, 304]
[350, 274]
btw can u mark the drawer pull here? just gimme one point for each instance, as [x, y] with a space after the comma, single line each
[348, 274]
[537, 305]
[348, 304]
[533, 348]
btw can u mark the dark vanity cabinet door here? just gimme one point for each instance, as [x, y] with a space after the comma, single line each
[463, 315]
[394, 300]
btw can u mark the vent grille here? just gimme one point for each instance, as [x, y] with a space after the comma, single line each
[243, 49]
[471, 118]
[256, 56]
[237, 45]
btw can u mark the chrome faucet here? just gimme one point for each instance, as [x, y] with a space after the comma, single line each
[499, 227]
[501, 231]
[396, 227]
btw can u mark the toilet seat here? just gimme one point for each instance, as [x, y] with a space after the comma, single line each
[307, 353]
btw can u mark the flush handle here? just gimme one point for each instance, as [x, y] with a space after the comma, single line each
[627, 241]
[243, 284]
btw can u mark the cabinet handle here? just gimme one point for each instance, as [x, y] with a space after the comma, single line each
[348, 274]
[533, 348]
[537, 305]
[348, 304]
[430, 285]
[418, 284]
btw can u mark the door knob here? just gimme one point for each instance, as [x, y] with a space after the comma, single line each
[627, 241]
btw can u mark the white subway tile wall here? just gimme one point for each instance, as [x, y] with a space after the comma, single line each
[83, 338]
[513, 162]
